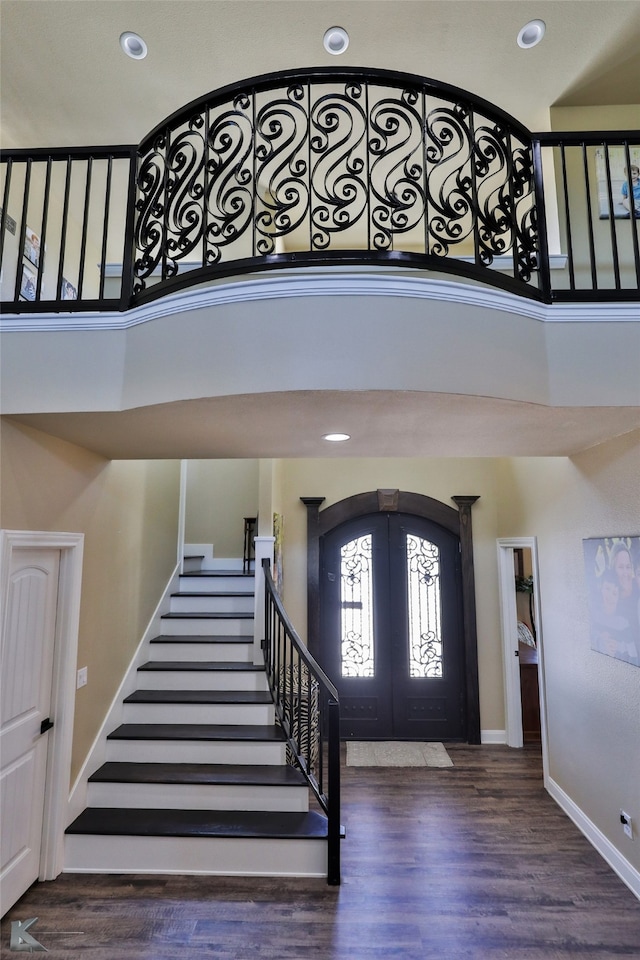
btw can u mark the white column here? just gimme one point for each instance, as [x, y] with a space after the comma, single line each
[263, 550]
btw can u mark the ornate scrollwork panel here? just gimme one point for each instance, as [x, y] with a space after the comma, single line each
[184, 218]
[229, 181]
[282, 167]
[356, 608]
[424, 608]
[339, 171]
[493, 196]
[449, 151]
[396, 145]
[320, 165]
[150, 209]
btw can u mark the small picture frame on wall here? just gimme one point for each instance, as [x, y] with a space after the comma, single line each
[67, 290]
[28, 283]
[612, 572]
[31, 250]
[625, 184]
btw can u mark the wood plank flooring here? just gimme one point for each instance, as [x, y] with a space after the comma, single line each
[470, 862]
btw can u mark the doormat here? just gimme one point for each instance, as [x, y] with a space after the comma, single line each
[396, 753]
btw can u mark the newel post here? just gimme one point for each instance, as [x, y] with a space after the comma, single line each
[263, 550]
[313, 573]
[464, 505]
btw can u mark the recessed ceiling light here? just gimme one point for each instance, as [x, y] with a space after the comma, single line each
[336, 437]
[531, 34]
[336, 40]
[133, 45]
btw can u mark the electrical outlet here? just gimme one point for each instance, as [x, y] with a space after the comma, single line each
[82, 678]
[627, 824]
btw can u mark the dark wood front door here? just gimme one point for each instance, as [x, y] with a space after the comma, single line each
[391, 628]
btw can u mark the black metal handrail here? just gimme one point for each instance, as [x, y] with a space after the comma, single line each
[308, 710]
[321, 167]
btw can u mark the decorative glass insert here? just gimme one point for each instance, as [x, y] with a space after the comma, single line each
[424, 606]
[356, 608]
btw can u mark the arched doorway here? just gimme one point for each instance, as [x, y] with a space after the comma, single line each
[392, 614]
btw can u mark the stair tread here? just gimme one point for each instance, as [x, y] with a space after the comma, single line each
[217, 573]
[198, 773]
[200, 696]
[213, 593]
[201, 665]
[205, 615]
[116, 821]
[198, 731]
[201, 638]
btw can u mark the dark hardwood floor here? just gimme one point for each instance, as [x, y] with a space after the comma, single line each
[474, 861]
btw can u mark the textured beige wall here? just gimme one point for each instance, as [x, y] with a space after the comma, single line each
[437, 478]
[220, 493]
[593, 701]
[128, 514]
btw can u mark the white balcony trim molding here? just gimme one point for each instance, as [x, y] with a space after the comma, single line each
[316, 283]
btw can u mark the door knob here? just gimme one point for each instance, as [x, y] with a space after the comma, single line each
[46, 725]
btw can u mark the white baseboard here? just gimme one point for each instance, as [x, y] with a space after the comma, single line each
[98, 752]
[618, 863]
[493, 736]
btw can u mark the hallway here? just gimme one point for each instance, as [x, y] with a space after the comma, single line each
[474, 861]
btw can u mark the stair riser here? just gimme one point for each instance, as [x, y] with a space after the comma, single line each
[217, 584]
[202, 652]
[194, 626]
[190, 751]
[201, 680]
[208, 604]
[233, 713]
[151, 796]
[188, 855]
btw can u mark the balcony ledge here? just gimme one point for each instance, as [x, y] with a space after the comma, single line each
[332, 282]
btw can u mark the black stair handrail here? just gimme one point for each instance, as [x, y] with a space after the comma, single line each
[308, 709]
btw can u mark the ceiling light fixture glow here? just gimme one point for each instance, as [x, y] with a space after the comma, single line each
[133, 45]
[531, 34]
[336, 437]
[336, 40]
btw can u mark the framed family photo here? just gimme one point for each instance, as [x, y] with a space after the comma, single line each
[28, 283]
[625, 184]
[32, 247]
[612, 572]
[67, 290]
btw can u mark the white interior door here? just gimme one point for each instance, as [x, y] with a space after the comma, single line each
[28, 638]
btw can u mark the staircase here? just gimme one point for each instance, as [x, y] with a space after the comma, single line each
[196, 779]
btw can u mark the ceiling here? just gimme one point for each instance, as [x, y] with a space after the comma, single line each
[65, 81]
[381, 423]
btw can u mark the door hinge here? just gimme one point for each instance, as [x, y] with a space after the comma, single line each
[46, 725]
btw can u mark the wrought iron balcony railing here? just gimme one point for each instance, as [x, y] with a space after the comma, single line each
[321, 167]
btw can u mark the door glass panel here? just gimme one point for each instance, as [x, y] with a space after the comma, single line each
[356, 608]
[424, 606]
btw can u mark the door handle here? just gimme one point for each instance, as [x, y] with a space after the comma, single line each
[46, 725]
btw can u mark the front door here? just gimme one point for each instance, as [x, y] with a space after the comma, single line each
[28, 635]
[391, 628]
